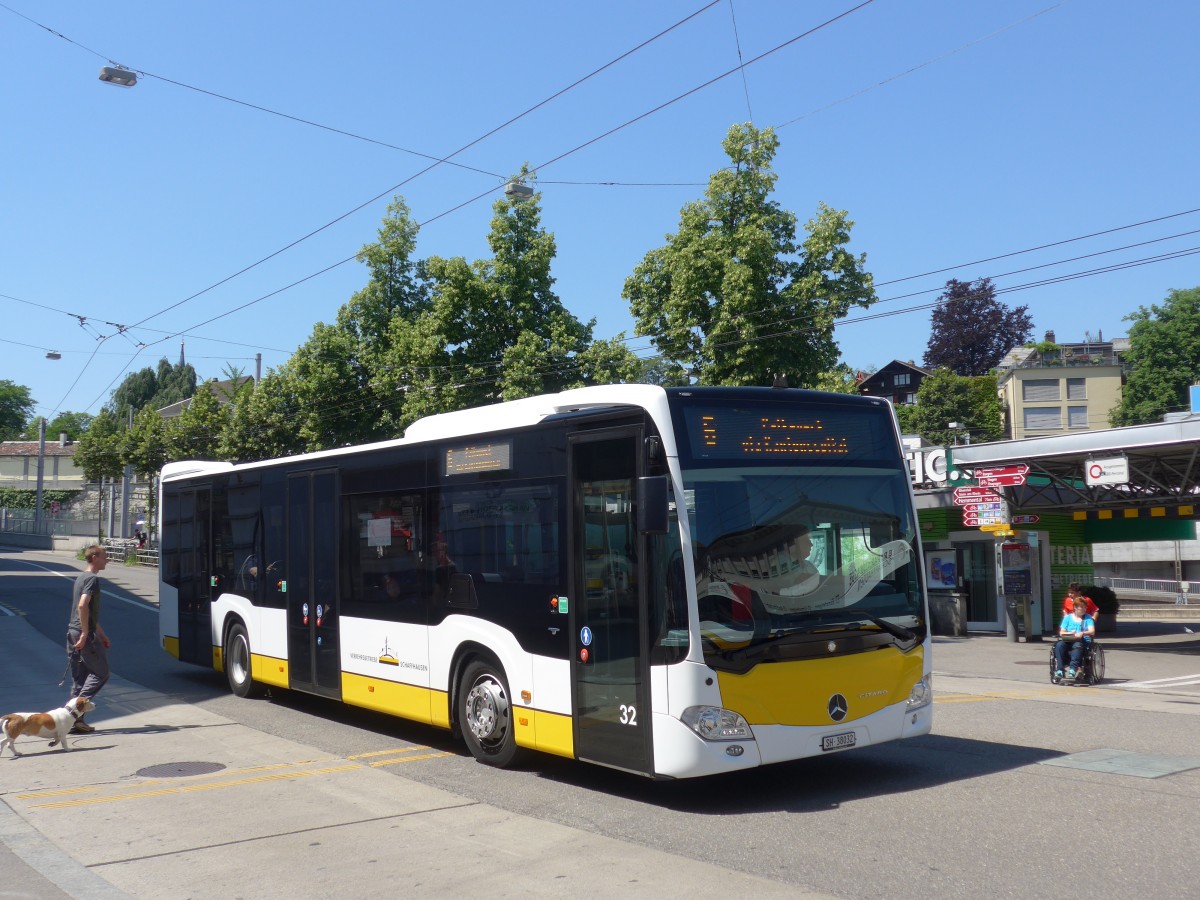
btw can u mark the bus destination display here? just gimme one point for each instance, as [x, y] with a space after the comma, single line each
[774, 433]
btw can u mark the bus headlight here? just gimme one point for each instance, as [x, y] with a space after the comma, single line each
[922, 694]
[716, 724]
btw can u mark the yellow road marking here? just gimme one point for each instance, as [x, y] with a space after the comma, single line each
[408, 759]
[192, 788]
[220, 780]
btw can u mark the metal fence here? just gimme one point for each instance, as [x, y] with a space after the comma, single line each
[130, 551]
[1153, 589]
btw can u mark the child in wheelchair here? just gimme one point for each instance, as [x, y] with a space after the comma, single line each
[1077, 629]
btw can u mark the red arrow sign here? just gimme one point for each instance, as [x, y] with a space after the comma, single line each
[975, 495]
[971, 519]
[996, 508]
[995, 481]
[982, 472]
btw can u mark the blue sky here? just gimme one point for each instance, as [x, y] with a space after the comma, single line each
[950, 131]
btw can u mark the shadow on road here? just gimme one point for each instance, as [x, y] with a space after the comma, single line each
[819, 784]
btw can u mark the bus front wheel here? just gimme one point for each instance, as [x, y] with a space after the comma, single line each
[237, 663]
[485, 714]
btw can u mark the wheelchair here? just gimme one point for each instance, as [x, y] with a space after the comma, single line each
[1091, 667]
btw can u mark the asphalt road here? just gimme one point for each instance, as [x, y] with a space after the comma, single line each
[989, 805]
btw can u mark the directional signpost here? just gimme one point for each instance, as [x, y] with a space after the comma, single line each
[1001, 476]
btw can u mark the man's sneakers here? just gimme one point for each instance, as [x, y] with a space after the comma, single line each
[1071, 673]
[1058, 673]
[81, 727]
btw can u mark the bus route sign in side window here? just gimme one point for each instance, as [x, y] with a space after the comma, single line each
[495, 456]
[786, 432]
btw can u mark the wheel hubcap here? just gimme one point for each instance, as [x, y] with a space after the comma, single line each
[487, 711]
[238, 662]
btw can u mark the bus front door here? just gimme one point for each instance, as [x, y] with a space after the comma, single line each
[314, 661]
[609, 670]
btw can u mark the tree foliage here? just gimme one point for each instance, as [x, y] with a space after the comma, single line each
[944, 398]
[99, 453]
[972, 330]
[494, 329]
[144, 446]
[16, 407]
[1163, 359]
[72, 424]
[732, 298]
[196, 432]
[156, 388]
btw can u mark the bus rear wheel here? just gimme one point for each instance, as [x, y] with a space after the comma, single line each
[237, 663]
[485, 715]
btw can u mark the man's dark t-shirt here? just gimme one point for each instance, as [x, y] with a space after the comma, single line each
[87, 583]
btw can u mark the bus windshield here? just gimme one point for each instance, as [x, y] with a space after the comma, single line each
[788, 557]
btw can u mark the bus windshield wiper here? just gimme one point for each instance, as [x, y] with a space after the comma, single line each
[897, 631]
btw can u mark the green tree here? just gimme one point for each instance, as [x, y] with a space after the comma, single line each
[732, 298]
[944, 398]
[841, 379]
[157, 388]
[262, 423]
[144, 446]
[1163, 359]
[495, 329]
[99, 453]
[16, 407]
[972, 330]
[73, 424]
[196, 432]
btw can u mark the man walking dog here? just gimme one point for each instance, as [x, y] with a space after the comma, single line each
[87, 644]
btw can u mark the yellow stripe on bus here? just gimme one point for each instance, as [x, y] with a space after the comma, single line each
[797, 692]
[545, 731]
[405, 700]
[269, 670]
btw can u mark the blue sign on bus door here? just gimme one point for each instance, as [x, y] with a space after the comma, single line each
[585, 636]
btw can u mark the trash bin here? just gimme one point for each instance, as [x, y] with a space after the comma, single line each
[947, 613]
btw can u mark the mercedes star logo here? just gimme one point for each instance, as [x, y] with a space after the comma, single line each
[838, 707]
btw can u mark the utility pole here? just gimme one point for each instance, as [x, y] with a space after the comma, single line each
[37, 507]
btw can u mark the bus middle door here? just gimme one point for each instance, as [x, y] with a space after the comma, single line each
[314, 655]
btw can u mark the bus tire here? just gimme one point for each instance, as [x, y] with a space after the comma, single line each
[485, 714]
[237, 663]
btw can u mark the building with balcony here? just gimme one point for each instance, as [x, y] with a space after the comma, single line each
[898, 381]
[1054, 388]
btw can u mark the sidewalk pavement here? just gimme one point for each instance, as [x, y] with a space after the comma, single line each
[169, 800]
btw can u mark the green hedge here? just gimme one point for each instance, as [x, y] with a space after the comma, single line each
[25, 498]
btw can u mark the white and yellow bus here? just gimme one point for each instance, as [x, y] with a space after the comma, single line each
[672, 582]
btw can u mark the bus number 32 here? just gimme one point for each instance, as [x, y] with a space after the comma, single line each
[628, 715]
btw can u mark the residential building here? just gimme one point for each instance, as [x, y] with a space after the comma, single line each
[898, 381]
[1056, 388]
[19, 465]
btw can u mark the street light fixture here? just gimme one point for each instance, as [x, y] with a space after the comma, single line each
[118, 76]
[518, 190]
[53, 354]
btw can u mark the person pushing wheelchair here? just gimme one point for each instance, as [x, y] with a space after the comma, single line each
[1075, 631]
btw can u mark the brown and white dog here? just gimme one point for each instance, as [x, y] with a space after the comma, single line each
[55, 724]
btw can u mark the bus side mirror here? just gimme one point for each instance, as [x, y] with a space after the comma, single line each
[652, 504]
